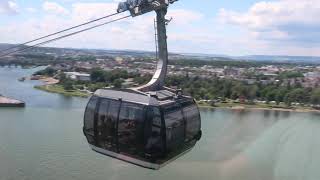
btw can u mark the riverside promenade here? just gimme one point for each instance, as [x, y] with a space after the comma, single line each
[9, 102]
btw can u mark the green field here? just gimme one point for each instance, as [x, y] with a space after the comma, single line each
[230, 104]
[60, 90]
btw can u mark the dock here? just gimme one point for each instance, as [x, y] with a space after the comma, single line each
[9, 102]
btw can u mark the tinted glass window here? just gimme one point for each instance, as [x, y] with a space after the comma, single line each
[153, 143]
[102, 113]
[110, 124]
[130, 129]
[89, 116]
[113, 111]
[175, 129]
[192, 117]
[101, 128]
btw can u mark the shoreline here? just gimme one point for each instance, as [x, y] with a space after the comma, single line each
[58, 89]
[260, 108]
[51, 85]
[49, 81]
[45, 79]
[54, 88]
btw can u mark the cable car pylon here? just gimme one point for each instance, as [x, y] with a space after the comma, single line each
[158, 80]
[140, 7]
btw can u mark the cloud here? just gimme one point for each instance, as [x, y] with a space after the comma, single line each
[54, 8]
[31, 10]
[89, 11]
[292, 21]
[184, 17]
[132, 33]
[273, 27]
[8, 7]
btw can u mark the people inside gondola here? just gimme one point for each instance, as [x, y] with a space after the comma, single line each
[153, 146]
[153, 141]
[108, 130]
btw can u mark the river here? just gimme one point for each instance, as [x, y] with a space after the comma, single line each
[44, 141]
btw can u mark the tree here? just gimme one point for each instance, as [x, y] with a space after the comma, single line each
[290, 74]
[288, 100]
[46, 72]
[281, 93]
[68, 86]
[98, 75]
[142, 79]
[96, 86]
[226, 89]
[271, 95]
[239, 90]
[117, 83]
[315, 96]
[62, 77]
[252, 92]
[297, 95]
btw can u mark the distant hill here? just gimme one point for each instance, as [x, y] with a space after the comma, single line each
[173, 56]
[264, 58]
[296, 59]
[5, 46]
[74, 51]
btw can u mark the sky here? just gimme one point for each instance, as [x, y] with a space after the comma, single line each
[228, 27]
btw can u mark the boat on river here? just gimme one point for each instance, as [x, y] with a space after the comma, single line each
[9, 102]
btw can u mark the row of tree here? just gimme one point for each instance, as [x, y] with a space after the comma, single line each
[215, 88]
[101, 79]
[200, 88]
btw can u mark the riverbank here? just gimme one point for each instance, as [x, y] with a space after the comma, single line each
[237, 106]
[9, 102]
[45, 79]
[49, 81]
[56, 88]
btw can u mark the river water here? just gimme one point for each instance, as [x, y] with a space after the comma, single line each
[44, 141]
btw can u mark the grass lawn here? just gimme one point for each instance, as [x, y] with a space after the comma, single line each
[231, 104]
[56, 88]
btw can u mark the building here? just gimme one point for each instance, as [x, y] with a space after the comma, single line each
[312, 75]
[78, 76]
[231, 72]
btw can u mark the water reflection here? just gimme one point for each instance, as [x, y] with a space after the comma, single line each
[260, 149]
[45, 141]
[267, 113]
[276, 114]
[288, 150]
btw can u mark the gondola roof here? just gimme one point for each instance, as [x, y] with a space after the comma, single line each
[153, 98]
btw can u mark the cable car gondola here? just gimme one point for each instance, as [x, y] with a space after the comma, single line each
[147, 126]
[147, 129]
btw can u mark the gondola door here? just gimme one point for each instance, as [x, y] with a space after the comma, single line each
[106, 124]
[130, 130]
[175, 127]
[100, 123]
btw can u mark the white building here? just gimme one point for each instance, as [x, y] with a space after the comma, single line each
[312, 75]
[78, 76]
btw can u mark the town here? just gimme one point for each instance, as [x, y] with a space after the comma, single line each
[213, 81]
[306, 76]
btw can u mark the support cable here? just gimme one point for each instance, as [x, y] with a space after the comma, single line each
[65, 36]
[56, 33]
